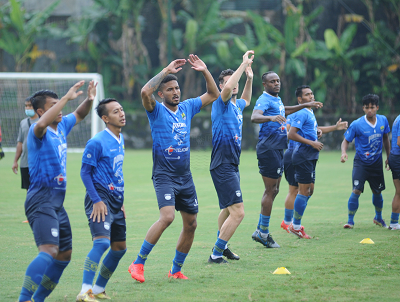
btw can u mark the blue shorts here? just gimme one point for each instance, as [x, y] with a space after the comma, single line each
[305, 172]
[394, 164]
[114, 227]
[226, 180]
[178, 191]
[371, 173]
[289, 168]
[270, 163]
[50, 225]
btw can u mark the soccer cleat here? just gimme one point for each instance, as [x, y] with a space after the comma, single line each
[266, 240]
[284, 226]
[86, 297]
[299, 233]
[394, 227]
[25, 221]
[137, 271]
[230, 255]
[177, 275]
[254, 236]
[102, 296]
[348, 226]
[219, 260]
[380, 222]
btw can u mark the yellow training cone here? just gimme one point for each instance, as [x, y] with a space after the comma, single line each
[367, 240]
[281, 271]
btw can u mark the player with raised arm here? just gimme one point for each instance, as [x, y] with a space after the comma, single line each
[394, 164]
[304, 131]
[170, 129]
[269, 112]
[102, 176]
[47, 148]
[370, 133]
[227, 122]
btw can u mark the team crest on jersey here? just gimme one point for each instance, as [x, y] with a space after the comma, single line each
[106, 225]
[60, 178]
[183, 116]
[54, 232]
[111, 187]
[167, 196]
[382, 127]
[238, 193]
[356, 182]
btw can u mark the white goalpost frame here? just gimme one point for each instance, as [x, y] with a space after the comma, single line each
[96, 124]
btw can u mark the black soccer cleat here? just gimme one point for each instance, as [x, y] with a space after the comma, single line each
[230, 255]
[267, 241]
[217, 261]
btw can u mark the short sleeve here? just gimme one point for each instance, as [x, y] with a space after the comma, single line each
[387, 128]
[153, 115]
[218, 106]
[20, 138]
[241, 104]
[92, 153]
[350, 134]
[298, 120]
[193, 106]
[37, 142]
[261, 104]
[69, 122]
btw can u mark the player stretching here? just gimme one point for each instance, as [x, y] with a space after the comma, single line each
[170, 129]
[370, 131]
[304, 131]
[303, 96]
[102, 176]
[394, 164]
[47, 148]
[269, 112]
[227, 122]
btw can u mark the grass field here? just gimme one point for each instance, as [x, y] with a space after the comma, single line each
[333, 266]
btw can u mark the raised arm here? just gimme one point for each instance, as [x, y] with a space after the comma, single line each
[226, 92]
[343, 147]
[339, 126]
[248, 87]
[257, 117]
[294, 136]
[293, 109]
[84, 108]
[212, 90]
[386, 144]
[51, 114]
[148, 99]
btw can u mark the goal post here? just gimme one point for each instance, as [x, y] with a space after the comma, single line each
[15, 87]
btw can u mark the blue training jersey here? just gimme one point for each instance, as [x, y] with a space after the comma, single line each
[47, 156]
[368, 137]
[291, 144]
[395, 133]
[227, 122]
[171, 137]
[272, 135]
[105, 152]
[305, 121]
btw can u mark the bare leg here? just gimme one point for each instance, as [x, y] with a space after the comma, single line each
[396, 198]
[187, 235]
[236, 215]
[271, 190]
[223, 215]
[167, 216]
[291, 196]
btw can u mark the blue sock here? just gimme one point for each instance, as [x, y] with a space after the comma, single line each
[108, 266]
[50, 279]
[300, 204]
[93, 258]
[288, 215]
[394, 218]
[219, 247]
[377, 201]
[259, 222]
[144, 252]
[178, 261]
[264, 224]
[34, 274]
[353, 207]
[218, 234]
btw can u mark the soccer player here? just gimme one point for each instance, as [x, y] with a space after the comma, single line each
[302, 97]
[394, 164]
[304, 132]
[269, 112]
[227, 122]
[370, 133]
[47, 147]
[170, 129]
[102, 176]
[22, 149]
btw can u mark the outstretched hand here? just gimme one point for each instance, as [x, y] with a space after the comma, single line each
[246, 59]
[341, 125]
[316, 104]
[91, 91]
[249, 72]
[197, 63]
[176, 65]
[73, 93]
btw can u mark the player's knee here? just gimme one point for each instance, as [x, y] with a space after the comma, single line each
[52, 250]
[190, 226]
[357, 192]
[101, 244]
[64, 255]
[311, 192]
[167, 219]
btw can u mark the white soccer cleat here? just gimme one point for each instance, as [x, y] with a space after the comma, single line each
[394, 227]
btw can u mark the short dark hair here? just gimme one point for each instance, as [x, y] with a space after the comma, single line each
[372, 99]
[28, 99]
[101, 107]
[168, 78]
[264, 76]
[299, 90]
[224, 73]
[38, 99]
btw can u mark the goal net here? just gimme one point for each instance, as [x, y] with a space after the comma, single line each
[15, 87]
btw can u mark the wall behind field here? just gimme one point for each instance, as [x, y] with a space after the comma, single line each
[137, 132]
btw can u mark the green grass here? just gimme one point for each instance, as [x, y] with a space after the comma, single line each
[333, 266]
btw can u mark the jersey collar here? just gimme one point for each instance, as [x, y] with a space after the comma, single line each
[271, 94]
[174, 112]
[52, 130]
[369, 123]
[113, 135]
